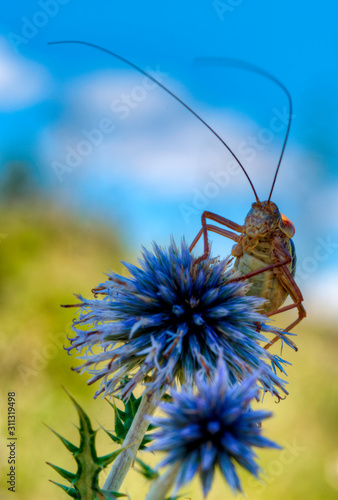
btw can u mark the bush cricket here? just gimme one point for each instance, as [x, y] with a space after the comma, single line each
[264, 251]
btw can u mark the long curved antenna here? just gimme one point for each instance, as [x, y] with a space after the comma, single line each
[166, 90]
[236, 63]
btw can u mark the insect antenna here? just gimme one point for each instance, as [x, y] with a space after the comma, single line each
[236, 63]
[132, 65]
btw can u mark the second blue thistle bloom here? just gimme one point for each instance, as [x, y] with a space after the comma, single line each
[213, 427]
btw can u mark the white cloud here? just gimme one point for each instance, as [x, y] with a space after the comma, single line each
[324, 205]
[22, 82]
[160, 144]
[95, 92]
[322, 296]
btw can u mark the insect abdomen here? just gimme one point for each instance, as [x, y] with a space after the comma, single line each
[265, 285]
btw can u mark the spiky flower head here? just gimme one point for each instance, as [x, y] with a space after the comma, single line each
[213, 427]
[170, 319]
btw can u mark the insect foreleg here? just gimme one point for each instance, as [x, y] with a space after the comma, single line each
[246, 276]
[208, 227]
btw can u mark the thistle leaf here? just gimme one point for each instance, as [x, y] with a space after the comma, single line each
[69, 476]
[124, 419]
[146, 470]
[84, 484]
[70, 447]
[70, 491]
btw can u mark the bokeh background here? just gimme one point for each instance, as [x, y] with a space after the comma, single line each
[71, 209]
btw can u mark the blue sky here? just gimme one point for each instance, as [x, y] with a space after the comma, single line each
[159, 168]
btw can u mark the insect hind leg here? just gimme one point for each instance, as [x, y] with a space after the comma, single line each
[301, 315]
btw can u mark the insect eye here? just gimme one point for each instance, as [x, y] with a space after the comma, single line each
[287, 227]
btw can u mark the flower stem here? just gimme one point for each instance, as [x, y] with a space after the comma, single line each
[133, 440]
[163, 484]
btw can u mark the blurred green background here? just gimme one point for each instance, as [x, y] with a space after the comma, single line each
[48, 254]
[150, 179]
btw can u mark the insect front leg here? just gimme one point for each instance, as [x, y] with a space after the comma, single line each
[209, 227]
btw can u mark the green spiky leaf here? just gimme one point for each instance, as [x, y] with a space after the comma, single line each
[69, 476]
[84, 484]
[70, 491]
[146, 470]
[123, 420]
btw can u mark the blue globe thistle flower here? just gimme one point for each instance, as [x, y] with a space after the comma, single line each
[214, 427]
[170, 319]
